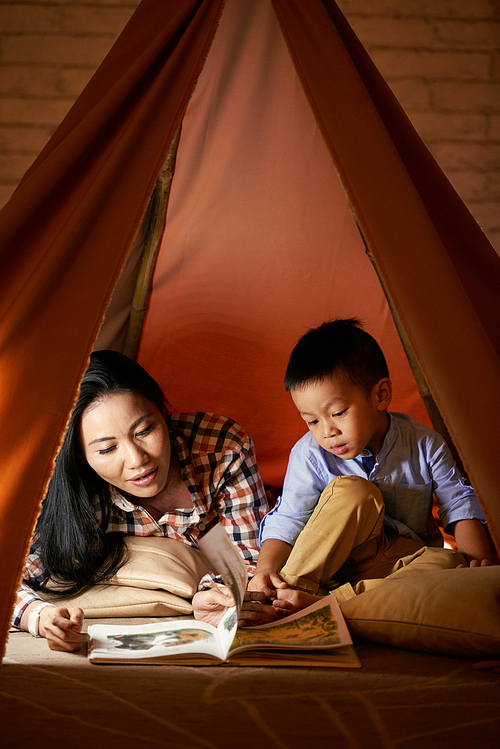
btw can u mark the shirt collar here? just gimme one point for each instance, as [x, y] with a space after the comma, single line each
[120, 501]
[389, 439]
[387, 444]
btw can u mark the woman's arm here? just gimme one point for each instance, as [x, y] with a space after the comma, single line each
[27, 598]
[61, 626]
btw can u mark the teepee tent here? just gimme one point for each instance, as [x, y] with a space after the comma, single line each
[300, 192]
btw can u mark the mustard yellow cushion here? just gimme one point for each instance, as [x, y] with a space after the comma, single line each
[448, 611]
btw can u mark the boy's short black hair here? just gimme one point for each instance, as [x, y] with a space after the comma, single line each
[339, 347]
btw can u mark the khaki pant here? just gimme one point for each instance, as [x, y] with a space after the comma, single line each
[426, 559]
[345, 540]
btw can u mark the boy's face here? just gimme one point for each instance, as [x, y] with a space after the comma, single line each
[342, 417]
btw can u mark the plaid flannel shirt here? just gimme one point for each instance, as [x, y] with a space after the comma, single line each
[218, 466]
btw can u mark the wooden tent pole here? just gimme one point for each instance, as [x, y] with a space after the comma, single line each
[152, 241]
[423, 388]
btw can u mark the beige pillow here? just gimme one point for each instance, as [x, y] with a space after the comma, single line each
[158, 577]
[162, 563]
[107, 601]
[447, 611]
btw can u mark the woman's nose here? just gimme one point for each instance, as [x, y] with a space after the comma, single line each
[136, 456]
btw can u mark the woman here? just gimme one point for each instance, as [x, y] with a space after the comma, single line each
[127, 466]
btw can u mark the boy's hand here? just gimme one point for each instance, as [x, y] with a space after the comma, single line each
[475, 563]
[267, 582]
[473, 543]
[211, 605]
[493, 666]
[255, 610]
[290, 601]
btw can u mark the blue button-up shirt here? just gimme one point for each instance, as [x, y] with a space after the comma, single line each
[413, 463]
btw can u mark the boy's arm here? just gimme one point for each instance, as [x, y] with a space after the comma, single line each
[458, 507]
[272, 558]
[302, 488]
[473, 542]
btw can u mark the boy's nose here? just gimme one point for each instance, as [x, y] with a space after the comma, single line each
[331, 430]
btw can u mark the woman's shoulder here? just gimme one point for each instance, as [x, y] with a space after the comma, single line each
[209, 429]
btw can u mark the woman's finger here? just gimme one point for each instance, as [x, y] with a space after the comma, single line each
[222, 596]
[65, 640]
[62, 629]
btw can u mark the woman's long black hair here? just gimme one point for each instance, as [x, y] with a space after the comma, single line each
[74, 550]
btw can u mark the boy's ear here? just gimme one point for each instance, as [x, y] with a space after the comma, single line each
[383, 393]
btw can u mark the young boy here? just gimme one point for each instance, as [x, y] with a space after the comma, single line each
[359, 486]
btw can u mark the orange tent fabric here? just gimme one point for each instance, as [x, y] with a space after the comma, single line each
[64, 237]
[259, 244]
[290, 138]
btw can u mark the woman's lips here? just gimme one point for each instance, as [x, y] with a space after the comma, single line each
[144, 479]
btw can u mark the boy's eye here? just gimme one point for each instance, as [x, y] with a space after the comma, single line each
[312, 423]
[340, 414]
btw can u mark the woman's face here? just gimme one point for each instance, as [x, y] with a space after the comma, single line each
[125, 440]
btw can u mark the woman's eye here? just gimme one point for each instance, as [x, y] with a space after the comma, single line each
[143, 432]
[106, 450]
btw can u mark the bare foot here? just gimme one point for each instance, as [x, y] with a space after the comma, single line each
[291, 600]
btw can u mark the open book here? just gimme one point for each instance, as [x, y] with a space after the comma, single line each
[315, 636]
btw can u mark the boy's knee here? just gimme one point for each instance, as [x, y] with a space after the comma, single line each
[355, 490]
[429, 558]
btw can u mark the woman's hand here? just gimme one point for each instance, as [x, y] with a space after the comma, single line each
[211, 605]
[62, 628]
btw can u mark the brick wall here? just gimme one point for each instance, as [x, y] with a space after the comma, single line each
[442, 60]
[440, 57]
[48, 51]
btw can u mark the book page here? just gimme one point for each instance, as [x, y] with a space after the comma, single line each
[160, 640]
[227, 629]
[226, 560]
[342, 657]
[320, 626]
